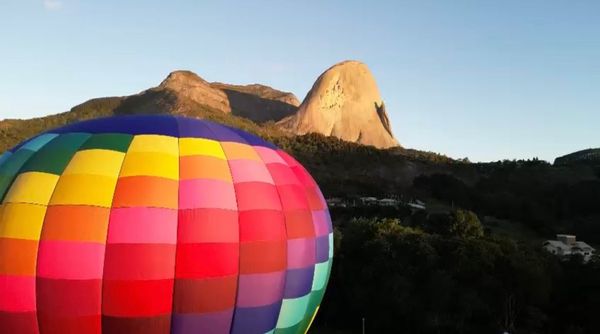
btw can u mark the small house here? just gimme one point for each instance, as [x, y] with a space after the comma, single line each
[566, 245]
[368, 200]
[388, 202]
[336, 202]
[417, 205]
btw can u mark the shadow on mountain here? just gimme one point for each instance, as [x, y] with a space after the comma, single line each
[149, 102]
[256, 108]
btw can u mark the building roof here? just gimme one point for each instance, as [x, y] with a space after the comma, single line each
[565, 235]
[388, 200]
[583, 245]
[416, 206]
[557, 244]
[577, 245]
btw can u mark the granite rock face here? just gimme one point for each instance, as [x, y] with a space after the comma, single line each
[344, 102]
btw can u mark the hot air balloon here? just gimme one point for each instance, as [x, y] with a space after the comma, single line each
[159, 224]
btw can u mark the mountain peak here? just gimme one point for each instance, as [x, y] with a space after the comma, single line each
[349, 63]
[345, 102]
[184, 92]
[182, 78]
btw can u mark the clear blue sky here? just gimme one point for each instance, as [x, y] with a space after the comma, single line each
[481, 79]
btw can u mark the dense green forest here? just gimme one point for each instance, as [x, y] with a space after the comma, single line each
[531, 193]
[417, 273]
[446, 272]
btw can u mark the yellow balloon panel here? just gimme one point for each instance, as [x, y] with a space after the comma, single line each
[96, 162]
[22, 221]
[32, 187]
[81, 189]
[155, 143]
[201, 146]
[151, 164]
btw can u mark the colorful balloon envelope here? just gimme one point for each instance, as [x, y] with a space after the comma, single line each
[159, 224]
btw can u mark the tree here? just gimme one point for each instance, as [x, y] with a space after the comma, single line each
[458, 223]
[465, 224]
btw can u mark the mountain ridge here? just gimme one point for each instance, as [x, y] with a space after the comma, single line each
[586, 156]
[185, 93]
[181, 92]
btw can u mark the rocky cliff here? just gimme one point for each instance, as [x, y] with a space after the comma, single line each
[344, 102]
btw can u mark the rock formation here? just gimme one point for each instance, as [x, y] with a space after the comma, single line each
[344, 102]
[259, 103]
[184, 91]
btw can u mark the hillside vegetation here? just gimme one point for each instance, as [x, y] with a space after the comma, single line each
[590, 156]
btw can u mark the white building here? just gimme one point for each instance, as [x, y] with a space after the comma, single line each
[336, 202]
[417, 205]
[566, 245]
[388, 202]
[368, 200]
